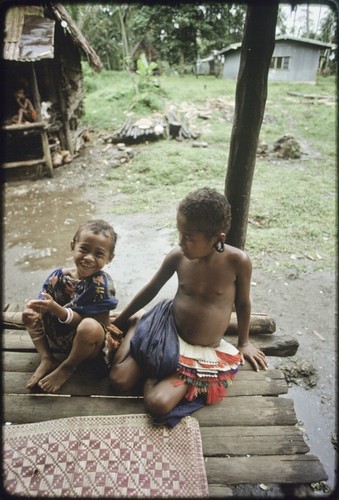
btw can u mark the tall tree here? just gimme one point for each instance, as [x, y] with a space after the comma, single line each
[250, 100]
[328, 29]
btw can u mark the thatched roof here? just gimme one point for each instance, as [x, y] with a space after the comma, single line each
[147, 47]
[29, 34]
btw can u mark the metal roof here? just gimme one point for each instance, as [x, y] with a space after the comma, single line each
[309, 41]
[29, 34]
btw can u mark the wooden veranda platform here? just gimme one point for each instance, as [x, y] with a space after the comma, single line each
[251, 437]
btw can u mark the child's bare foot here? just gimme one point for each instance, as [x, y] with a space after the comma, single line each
[47, 365]
[54, 380]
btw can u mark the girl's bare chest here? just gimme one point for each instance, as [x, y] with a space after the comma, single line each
[203, 280]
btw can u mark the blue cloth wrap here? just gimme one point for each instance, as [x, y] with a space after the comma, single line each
[155, 347]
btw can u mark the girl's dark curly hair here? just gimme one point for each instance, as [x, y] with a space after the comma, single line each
[98, 226]
[208, 210]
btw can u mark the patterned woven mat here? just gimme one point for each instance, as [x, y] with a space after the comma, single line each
[105, 456]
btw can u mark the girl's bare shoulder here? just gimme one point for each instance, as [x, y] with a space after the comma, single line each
[237, 255]
[174, 256]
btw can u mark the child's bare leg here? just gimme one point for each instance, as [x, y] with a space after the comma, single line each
[162, 396]
[87, 343]
[48, 362]
[125, 372]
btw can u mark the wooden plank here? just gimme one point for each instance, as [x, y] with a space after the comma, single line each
[15, 361]
[22, 361]
[23, 163]
[21, 127]
[47, 153]
[258, 440]
[17, 340]
[259, 323]
[248, 410]
[263, 383]
[289, 469]
[23, 409]
[272, 345]
[27, 408]
[219, 491]
[86, 383]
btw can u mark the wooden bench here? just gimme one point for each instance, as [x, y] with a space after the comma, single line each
[251, 437]
[22, 130]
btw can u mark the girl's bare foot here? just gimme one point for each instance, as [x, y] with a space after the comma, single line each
[54, 380]
[47, 365]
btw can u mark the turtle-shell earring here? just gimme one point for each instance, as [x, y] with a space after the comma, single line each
[220, 246]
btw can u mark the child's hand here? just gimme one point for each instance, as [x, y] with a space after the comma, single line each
[256, 357]
[29, 316]
[42, 306]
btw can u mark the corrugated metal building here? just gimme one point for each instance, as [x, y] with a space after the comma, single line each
[294, 59]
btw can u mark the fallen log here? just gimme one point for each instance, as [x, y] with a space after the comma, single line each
[259, 323]
[271, 345]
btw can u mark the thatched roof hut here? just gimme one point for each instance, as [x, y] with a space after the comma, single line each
[41, 55]
[144, 46]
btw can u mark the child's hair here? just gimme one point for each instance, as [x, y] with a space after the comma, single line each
[98, 226]
[208, 210]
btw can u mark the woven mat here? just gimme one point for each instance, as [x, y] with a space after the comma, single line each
[106, 456]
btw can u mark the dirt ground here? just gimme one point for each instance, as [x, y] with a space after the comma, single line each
[40, 218]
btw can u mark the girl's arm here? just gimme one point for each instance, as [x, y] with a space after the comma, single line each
[149, 291]
[48, 304]
[243, 309]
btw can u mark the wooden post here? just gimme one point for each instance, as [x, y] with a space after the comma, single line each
[64, 114]
[36, 94]
[47, 159]
[251, 92]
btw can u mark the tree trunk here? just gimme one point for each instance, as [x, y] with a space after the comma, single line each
[125, 48]
[251, 92]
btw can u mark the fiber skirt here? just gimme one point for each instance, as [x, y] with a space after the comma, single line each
[160, 353]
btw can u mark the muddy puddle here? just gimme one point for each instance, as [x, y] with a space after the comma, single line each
[39, 226]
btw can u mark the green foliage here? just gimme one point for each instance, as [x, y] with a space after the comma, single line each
[183, 32]
[146, 81]
[147, 89]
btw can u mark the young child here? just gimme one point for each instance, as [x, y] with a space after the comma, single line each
[178, 345]
[26, 111]
[72, 312]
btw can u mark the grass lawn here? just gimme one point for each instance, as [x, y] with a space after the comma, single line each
[293, 202]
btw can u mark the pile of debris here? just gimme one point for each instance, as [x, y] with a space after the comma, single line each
[286, 147]
[171, 125]
[299, 372]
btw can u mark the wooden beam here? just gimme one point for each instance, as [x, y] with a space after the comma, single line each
[259, 322]
[260, 440]
[265, 469]
[88, 382]
[243, 410]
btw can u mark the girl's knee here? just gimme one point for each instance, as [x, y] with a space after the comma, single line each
[124, 377]
[119, 379]
[158, 404]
